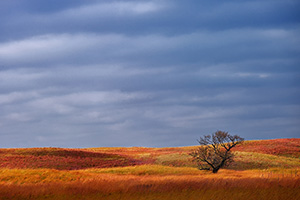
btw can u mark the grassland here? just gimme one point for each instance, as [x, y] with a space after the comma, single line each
[267, 169]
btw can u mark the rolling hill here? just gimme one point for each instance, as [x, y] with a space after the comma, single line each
[261, 154]
[262, 168]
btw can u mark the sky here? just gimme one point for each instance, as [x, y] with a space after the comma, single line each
[155, 73]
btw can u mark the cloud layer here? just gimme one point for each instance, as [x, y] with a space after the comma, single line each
[147, 73]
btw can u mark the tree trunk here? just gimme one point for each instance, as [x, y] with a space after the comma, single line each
[215, 170]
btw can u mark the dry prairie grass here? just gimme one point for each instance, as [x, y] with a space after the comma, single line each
[263, 170]
[227, 184]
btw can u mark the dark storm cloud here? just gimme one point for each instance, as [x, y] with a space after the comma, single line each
[147, 73]
[140, 17]
[198, 47]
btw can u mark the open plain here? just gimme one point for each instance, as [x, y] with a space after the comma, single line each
[263, 169]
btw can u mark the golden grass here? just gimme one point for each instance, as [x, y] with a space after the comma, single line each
[147, 170]
[33, 176]
[90, 184]
[30, 176]
[270, 172]
[252, 160]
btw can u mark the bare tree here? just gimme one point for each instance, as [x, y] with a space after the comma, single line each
[214, 152]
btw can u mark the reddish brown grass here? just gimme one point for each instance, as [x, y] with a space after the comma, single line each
[282, 147]
[63, 159]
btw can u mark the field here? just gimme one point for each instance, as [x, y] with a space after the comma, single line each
[266, 169]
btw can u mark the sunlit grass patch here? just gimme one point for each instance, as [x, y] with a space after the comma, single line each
[281, 172]
[21, 176]
[175, 159]
[147, 170]
[252, 160]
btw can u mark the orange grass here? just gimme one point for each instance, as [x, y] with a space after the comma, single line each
[267, 169]
[228, 184]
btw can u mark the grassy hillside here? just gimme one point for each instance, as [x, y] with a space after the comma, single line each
[261, 154]
[63, 159]
[266, 169]
[251, 155]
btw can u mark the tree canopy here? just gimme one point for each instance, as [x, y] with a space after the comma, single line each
[214, 152]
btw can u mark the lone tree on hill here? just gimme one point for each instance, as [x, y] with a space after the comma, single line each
[214, 152]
